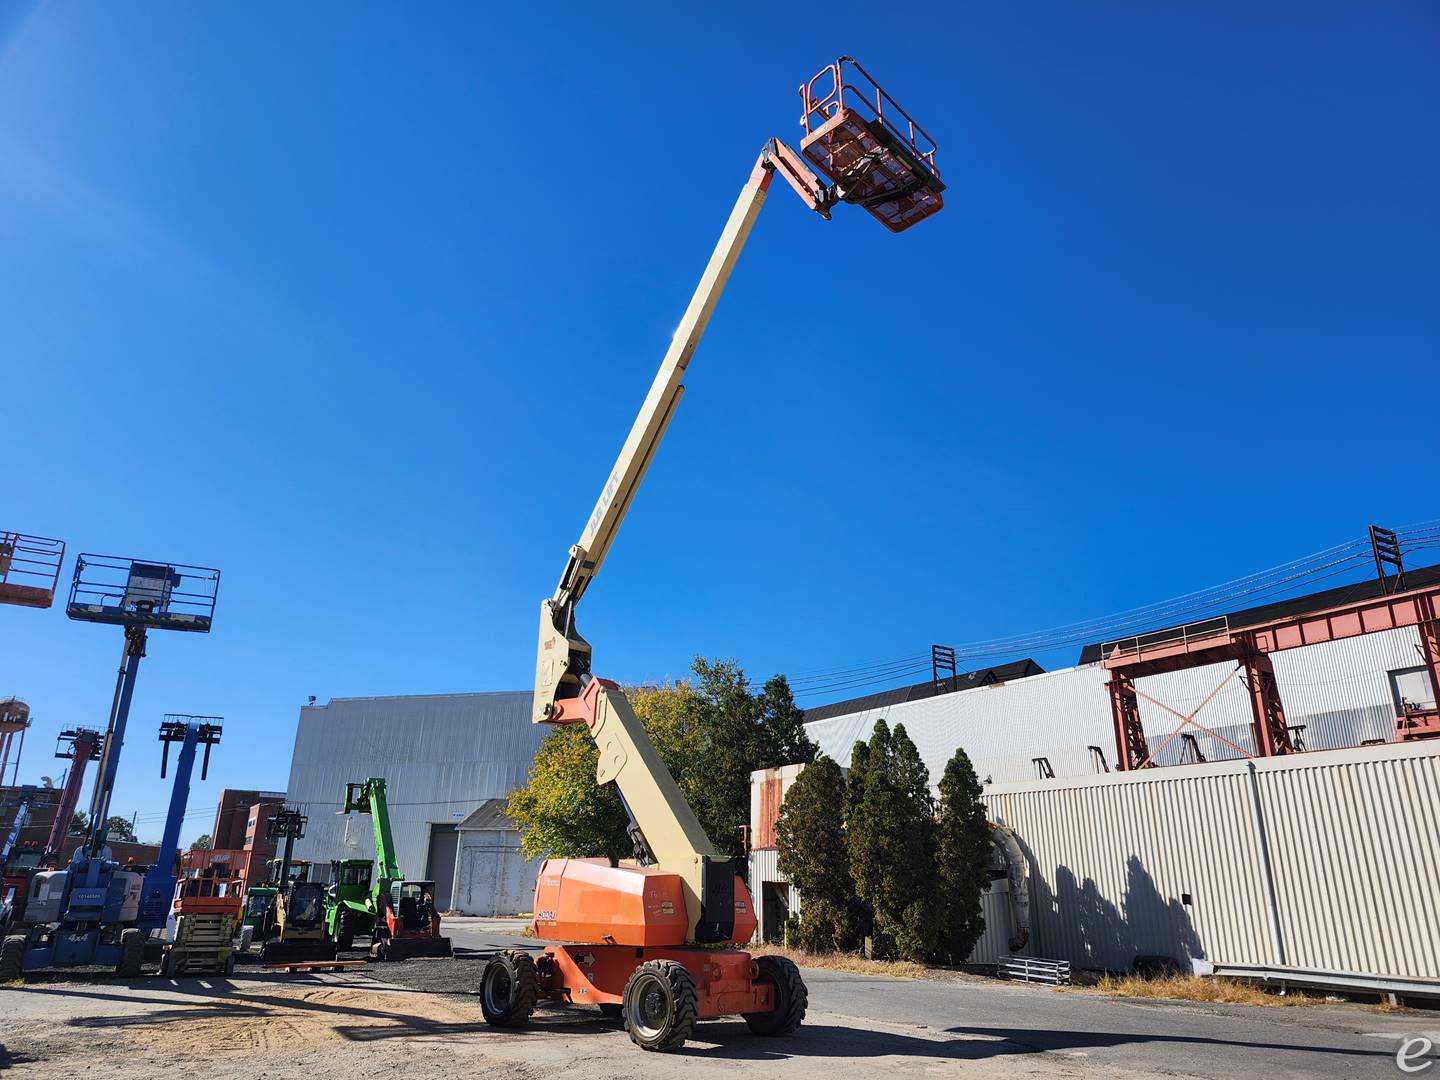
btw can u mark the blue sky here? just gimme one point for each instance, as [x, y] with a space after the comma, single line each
[357, 305]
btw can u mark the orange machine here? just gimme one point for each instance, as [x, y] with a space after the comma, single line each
[648, 940]
[211, 881]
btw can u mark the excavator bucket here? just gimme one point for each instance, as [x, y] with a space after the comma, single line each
[869, 147]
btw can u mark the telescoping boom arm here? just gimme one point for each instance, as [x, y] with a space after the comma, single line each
[663, 826]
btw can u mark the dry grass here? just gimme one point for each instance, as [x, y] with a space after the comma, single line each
[838, 961]
[1220, 991]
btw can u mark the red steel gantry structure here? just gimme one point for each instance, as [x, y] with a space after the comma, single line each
[1214, 642]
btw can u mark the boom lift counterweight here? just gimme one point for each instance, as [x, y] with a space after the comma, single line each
[634, 938]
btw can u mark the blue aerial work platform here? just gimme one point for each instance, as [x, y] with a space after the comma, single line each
[90, 913]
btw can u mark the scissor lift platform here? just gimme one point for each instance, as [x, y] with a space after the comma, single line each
[869, 147]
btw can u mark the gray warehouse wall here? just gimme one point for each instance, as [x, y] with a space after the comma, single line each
[441, 755]
[1349, 835]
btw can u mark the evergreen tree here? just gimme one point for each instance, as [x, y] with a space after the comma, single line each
[812, 856]
[731, 718]
[782, 739]
[918, 931]
[964, 859]
[892, 846]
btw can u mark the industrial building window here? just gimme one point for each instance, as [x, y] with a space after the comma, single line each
[250, 824]
[1412, 686]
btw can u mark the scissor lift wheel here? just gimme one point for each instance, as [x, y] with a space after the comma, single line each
[869, 147]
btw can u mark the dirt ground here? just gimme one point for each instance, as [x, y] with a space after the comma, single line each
[422, 1018]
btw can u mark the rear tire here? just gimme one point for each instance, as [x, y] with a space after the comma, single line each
[660, 1005]
[230, 964]
[12, 958]
[167, 965]
[345, 930]
[791, 997]
[132, 953]
[508, 989]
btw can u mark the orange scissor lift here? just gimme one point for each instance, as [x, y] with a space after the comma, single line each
[208, 895]
[652, 940]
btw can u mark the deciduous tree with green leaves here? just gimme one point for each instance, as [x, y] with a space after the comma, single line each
[711, 734]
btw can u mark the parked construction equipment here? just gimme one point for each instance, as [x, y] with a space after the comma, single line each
[404, 920]
[350, 901]
[295, 929]
[646, 938]
[90, 912]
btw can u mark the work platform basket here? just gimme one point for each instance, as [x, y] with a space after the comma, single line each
[868, 146]
[132, 592]
[29, 569]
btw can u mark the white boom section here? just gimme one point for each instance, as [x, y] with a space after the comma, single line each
[563, 657]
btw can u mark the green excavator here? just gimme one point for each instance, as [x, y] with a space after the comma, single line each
[398, 912]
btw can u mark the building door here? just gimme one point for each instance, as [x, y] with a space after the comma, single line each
[774, 910]
[440, 865]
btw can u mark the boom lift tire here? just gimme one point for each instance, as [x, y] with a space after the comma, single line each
[791, 997]
[660, 1005]
[508, 989]
[132, 953]
[12, 958]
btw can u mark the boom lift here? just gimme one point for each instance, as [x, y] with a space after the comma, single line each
[403, 919]
[87, 913]
[80, 746]
[645, 939]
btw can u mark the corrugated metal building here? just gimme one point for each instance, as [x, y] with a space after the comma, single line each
[1323, 862]
[1342, 693]
[443, 756]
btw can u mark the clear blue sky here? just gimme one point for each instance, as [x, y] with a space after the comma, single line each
[357, 305]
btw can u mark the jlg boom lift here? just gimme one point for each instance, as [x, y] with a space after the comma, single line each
[402, 919]
[648, 939]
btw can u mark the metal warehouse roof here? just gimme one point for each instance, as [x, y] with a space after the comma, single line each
[988, 676]
[488, 817]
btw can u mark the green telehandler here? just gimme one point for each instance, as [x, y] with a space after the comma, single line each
[404, 921]
[349, 902]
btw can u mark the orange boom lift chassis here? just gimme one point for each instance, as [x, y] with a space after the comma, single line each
[649, 939]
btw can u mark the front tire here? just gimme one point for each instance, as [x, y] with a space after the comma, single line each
[508, 989]
[791, 997]
[132, 953]
[12, 958]
[345, 931]
[660, 1005]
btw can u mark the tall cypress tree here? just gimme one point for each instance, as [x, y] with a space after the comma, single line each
[917, 915]
[812, 856]
[964, 859]
[781, 738]
[877, 840]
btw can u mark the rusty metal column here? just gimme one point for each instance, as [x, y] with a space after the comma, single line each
[1131, 750]
[1272, 734]
[1426, 726]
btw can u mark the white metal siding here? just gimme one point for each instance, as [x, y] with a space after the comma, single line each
[1351, 835]
[492, 877]
[441, 755]
[1339, 690]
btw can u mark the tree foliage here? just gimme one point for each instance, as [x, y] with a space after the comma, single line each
[811, 854]
[79, 823]
[892, 845]
[711, 734]
[118, 828]
[964, 859]
[202, 842]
